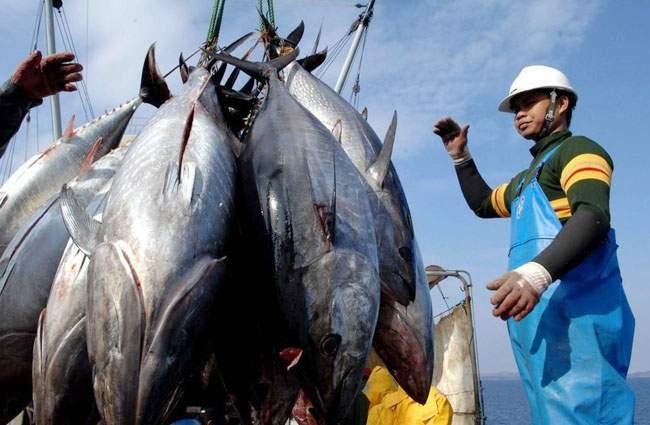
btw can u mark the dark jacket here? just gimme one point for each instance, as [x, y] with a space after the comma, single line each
[14, 105]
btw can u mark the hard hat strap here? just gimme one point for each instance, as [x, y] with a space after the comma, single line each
[550, 115]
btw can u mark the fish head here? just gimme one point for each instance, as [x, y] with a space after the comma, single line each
[342, 309]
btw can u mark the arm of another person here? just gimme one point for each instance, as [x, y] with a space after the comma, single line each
[485, 202]
[34, 78]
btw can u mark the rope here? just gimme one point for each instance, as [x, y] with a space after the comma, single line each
[354, 97]
[270, 13]
[68, 42]
[215, 21]
[333, 55]
[37, 26]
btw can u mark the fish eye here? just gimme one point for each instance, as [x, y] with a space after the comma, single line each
[406, 253]
[330, 344]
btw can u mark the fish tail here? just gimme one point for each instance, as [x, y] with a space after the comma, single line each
[259, 70]
[153, 88]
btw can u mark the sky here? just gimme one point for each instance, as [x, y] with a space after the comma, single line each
[426, 59]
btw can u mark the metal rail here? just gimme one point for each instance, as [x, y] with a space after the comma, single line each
[466, 280]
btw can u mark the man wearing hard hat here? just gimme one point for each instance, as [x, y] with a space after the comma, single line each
[569, 322]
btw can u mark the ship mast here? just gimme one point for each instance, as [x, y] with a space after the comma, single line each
[362, 26]
[51, 49]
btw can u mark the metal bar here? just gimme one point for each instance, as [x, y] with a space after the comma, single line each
[363, 24]
[51, 49]
[466, 280]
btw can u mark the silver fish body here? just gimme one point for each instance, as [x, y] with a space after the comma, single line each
[319, 231]
[405, 296]
[61, 376]
[42, 176]
[153, 276]
[28, 268]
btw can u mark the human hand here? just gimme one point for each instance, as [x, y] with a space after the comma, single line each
[40, 76]
[514, 297]
[453, 137]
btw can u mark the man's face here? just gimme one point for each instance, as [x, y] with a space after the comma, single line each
[530, 109]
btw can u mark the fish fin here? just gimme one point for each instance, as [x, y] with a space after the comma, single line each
[235, 44]
[83, 229]
[291, 356]
[115, 297]
[8, 269]
[183, 68]
[153, 88]
[337, 131]
[187, 131]
[320, 30]
[309, 63]
[381, 165]
[295, 36]
[90, 158]
[189, 174]
[260, 70]
[221, 71]
[230, 82]
[170, 185]
[235, 73]
[228, 49]
[180, 180]
[69, 128]
[246, 89]
[364, 113]
[39, 347]
[3, 198]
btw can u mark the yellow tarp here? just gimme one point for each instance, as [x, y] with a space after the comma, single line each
[390, 405]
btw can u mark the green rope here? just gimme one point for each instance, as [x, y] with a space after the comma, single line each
[270, 12]
[215, 21]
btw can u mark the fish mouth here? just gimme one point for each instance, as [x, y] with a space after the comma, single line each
[339, 407]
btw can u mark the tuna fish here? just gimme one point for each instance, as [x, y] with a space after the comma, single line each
[42, 237]
[33, 258]
[61, 373]
[316, 233]
[406, 305]
[157, 258]
[42, 176]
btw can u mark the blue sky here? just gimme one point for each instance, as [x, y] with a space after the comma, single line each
[426, 59]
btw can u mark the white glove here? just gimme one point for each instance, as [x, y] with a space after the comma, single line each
[518, 291]
[536, 275]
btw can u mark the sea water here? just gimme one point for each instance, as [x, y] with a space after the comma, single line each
[505, 401]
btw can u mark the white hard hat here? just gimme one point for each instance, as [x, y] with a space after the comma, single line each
[536, 77]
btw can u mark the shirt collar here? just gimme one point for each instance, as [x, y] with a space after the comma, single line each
[549, 141]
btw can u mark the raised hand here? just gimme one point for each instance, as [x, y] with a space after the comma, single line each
[40, 76]
[453, 137]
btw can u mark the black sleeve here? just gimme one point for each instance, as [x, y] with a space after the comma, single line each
[580, 234]
[14, 105]
[475, 190]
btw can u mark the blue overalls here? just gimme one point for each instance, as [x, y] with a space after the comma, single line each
[573, 350]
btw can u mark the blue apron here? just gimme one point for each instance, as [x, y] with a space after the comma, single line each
[573, 350]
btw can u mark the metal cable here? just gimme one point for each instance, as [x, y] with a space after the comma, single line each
[74, 50]
[37, 27]
[331, 57]
[68, 42]
[66, 46]
[356, 88]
